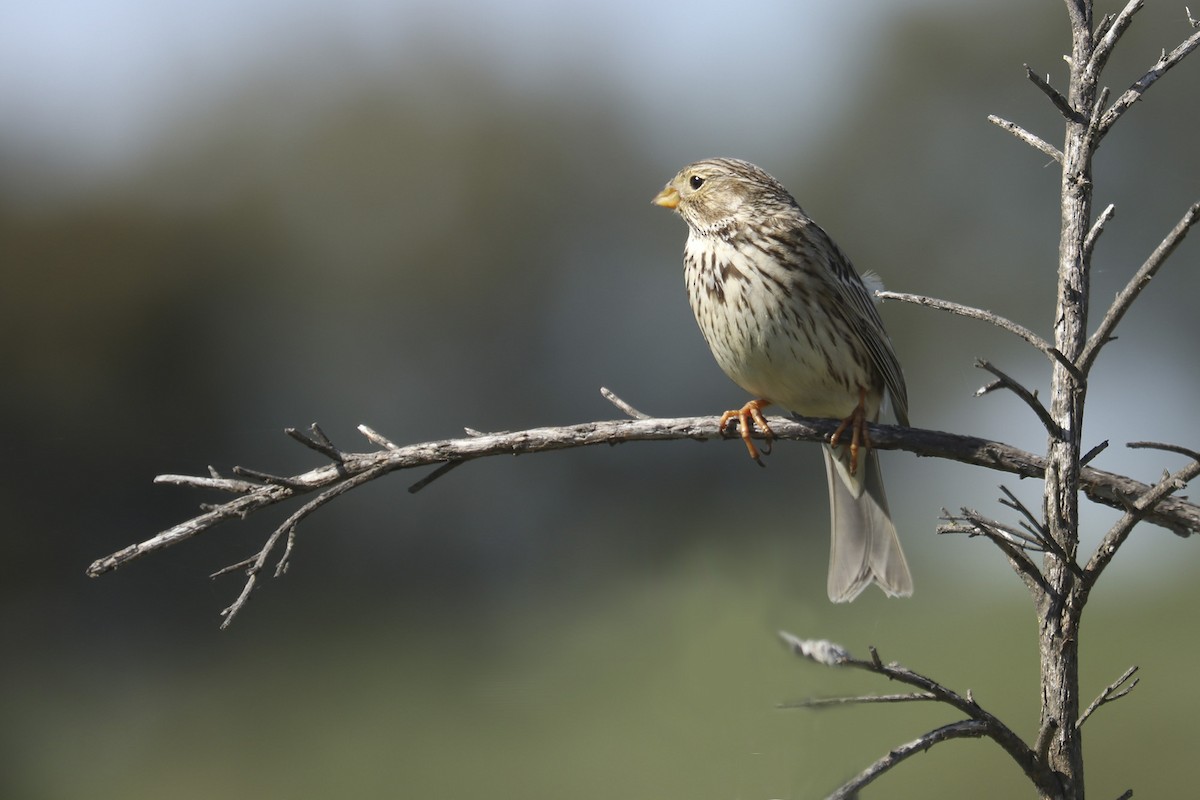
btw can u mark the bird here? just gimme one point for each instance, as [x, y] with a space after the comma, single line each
[791, 322]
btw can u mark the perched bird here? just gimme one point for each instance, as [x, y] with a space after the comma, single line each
[792, 323]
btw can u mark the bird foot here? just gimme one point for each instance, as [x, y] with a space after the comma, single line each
[747, 417]
[859, 438]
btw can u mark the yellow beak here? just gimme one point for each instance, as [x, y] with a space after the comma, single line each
[667, 198]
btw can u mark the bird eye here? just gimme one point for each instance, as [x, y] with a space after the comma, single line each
[696, 182]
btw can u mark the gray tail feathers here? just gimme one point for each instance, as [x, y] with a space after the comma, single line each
[865, 547]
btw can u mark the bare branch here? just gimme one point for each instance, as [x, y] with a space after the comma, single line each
[317, 441]
[1012, 543]
[986, 724]
[972, 523]
[1113, 30]
[1033, 140]
[1030, 398]
[1113, 691]
[1037, 528]
[1169, 448]
[866, 699]
[1087, 457]
[1103, 487]
[822, 651]
[216, 482]
[1035, 524]
[1139, 87]
[611, 397]
[1094, 120]
[986, 316]
[379, 440]
[1055, 96]
[1138, 509]
[967, 728]
[1089, 244]
[433, 476]
[1102, 28]
[1135, 286]
[256, 564]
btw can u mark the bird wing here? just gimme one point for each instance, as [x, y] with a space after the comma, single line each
[853, 292]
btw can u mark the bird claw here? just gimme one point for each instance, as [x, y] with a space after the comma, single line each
[747, 417]
[859, 437]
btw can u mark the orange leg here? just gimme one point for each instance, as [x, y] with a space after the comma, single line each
[857, 423]
[748, 416]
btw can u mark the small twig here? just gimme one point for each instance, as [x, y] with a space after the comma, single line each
[433, 476]
[1139, 87]
[1013, 502]
[1135, 286]
[1033, 140]
[1102, 28]
[1089, 244]
[268, 478]
[1030, 398]
[1091, 454]
[986, 316]
[1094, 120]
[1125, 795]
[1113, 691]
[216, 482]
[972, 524]
[1166, 447]
[376, 438]
[866, 699]
[1055, 96]
[1038, 529]
[967, 728]
[288, 526]
[629, 410]
[1011, 542]
[318, 441]
[822, 651]
[1113, 30]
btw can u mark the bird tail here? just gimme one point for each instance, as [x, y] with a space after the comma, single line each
[865, 547]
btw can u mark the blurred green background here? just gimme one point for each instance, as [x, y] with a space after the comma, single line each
[218, 220]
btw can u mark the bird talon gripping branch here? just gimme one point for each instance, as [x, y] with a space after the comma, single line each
[860, 438]
[747, 417]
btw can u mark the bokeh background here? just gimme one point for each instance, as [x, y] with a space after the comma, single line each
[221, 219]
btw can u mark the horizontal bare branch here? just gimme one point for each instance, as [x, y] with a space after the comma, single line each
[862, 699]
[1107, 488]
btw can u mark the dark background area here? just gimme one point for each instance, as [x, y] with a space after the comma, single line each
[423, 220]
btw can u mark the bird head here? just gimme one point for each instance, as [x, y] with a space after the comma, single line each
[711, 194]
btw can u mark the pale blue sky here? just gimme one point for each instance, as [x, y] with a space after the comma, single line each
[95, 78]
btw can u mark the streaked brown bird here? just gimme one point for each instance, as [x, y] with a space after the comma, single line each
[792, 323]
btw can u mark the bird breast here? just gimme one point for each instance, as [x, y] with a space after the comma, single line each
[775, 327]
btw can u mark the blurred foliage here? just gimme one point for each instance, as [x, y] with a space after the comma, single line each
[430, 244]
